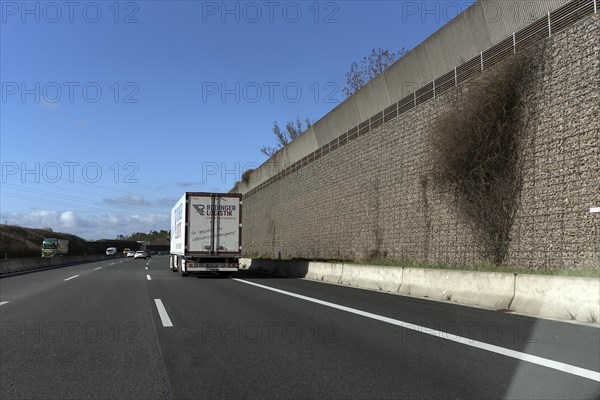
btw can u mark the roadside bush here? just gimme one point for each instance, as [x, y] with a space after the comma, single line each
[476, 153]
[246, 176]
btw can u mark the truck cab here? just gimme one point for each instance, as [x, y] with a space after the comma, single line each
[52, 247]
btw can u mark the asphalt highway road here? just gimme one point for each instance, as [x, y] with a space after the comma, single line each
[132, 329]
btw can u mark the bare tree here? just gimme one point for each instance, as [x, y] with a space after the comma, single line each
[293, 129]
[369, 67]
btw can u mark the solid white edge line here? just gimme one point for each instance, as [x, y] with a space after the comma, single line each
[4, 302]
[570, 369]
[73, 277]
[164, 317]
[148, 277]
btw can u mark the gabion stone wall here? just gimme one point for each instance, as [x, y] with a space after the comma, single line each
[369, 198]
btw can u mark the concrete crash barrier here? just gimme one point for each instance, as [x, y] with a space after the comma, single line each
[293, 268]
[324, 272]
[269, 266]
[29, 264]
[569, 298]
[563, 297]
[245, 263]
[487, 289]
[387, 279]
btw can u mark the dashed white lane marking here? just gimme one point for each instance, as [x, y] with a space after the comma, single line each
[4, 302]
[164, 317]
[148, 277]
[146, 268]
[96, 269]
[567, 368]
[73, 277]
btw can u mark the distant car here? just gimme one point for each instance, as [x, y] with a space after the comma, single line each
[130, 253]
[138, 254]
[148, 254]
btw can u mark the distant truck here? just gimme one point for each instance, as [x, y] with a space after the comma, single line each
[206, 233]
[111, 251]
[52, 247]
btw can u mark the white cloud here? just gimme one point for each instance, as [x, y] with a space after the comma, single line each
[137, 201]
[113, 219]
[131, 200]
[40, 218]
[90, 227]
[68, 219]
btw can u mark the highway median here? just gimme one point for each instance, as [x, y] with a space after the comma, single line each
[15, 266]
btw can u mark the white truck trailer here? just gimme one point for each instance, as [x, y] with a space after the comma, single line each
[206, 233]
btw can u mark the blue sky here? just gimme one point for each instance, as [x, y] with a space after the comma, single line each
[111, 110]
